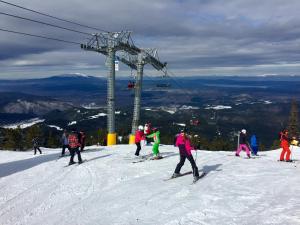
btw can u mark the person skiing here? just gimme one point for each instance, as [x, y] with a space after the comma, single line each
[139, 136]
[35, 142]
[81, 137]
[155, 135]
[74, 147]
[284, 143]
[184, 145]
[147, 131]
[254, 145]
[243, 144]
[65, 142]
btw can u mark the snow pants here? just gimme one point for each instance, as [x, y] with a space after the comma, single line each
[64, 149]
[138, 148]
[155, 149]
[285, 150]
[193, 164]
[37, 148]
[241, 147]
[72, 152]
[254, 150]
[183, 156]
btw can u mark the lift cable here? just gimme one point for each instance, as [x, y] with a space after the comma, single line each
[39, 36]
[44, 23]
[53, 17]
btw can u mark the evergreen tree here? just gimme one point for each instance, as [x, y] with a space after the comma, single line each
[293, 120]
[13, 139]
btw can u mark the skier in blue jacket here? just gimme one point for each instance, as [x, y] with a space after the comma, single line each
[254, 144]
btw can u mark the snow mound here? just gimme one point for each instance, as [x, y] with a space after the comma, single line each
[109, 189]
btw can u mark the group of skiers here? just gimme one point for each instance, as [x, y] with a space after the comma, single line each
[144, 134]
[75, 142]
[182, 141]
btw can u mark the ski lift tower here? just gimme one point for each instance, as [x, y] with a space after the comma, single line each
[108, 43]
[146, 56]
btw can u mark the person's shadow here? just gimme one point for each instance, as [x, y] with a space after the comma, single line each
[9, 168]
[208, 169]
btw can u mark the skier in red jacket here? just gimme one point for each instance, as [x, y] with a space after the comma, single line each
[74, 147]
[284, 143]
[139, 136]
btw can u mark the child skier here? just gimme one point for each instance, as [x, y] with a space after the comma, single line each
[284, 143]
[156, 139]
[139, 136]
[74, 147]
[184, 145]
[254, 145]
[243, 144]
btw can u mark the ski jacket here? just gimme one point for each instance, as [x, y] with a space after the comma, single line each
[35, 142]
[184, 141]
[155, 137]
[284, 139]
[64, 139]
[243, 138]
[253, 140]
[139, 135]
[73, 140]
[82, 138]
[147, 129]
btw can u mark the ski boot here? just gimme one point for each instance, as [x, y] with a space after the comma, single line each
[249, 156]
[237, 155]
[196, 178]
[175, 175]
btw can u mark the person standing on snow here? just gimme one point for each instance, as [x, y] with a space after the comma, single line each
[35, 142]
[284, 143]
[147, 131]
[81, 137]
[74, 147]
[243, 144]
[254, 145]
[65, 142]
[184, 145]
[139, 136]
[155, 135]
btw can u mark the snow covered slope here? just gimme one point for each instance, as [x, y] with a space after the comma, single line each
[109, 189]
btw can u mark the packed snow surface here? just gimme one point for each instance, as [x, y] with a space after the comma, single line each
[108, 189]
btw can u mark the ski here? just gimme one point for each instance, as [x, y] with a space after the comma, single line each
[200, 177]
[180, 175]
[76, 163]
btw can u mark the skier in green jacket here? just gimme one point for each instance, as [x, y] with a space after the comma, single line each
[156, 139]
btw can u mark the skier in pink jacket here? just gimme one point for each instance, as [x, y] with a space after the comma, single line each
[184, 145]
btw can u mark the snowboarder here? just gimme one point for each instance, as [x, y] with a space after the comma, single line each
[35, 142]
[184, 145]
[139, 136]
[81, 138]
[155, 135]
[74, 147]
[254, 145]
[243, 144]
[65, 142]
[284, 143]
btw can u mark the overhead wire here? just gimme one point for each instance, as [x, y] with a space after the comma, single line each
[40, 36]
[53, 17]
[44, 23]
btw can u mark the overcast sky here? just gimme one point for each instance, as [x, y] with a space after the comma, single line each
[195, 37]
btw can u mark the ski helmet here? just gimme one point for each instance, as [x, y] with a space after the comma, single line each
[244, 131]
[141, 127]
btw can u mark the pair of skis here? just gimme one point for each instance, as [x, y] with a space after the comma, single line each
[187, 173]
